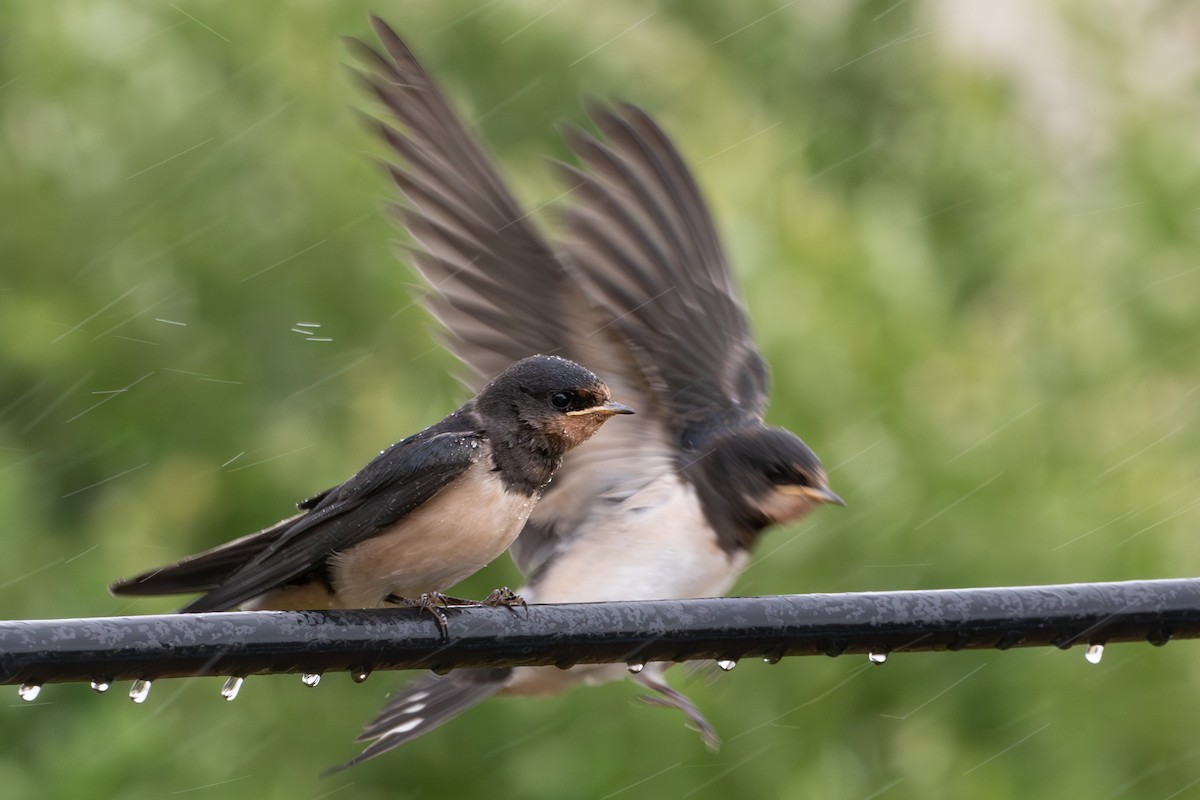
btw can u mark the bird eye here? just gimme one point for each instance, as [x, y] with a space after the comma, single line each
[781, 475]
[560, 400]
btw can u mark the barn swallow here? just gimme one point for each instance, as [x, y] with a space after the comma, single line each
[668, 506]
[427, 512]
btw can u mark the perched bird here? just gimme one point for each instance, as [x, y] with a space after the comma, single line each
[667, 506]
[427, 512]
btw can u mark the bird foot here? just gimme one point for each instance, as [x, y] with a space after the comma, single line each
[506, 597]
[432, 603]
[670, 698]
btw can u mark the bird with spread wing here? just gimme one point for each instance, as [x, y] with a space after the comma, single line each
[666, 506]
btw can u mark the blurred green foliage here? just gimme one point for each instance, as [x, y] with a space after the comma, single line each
[968, 236]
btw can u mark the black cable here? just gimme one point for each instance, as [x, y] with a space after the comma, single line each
[107, 649]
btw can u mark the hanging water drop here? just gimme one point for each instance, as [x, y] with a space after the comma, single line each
[232, 687]
[635, 667]
[139, 690]
[774, 658]
[310, 678]
[1094, 653]
[836, 647]
[101, 686]
[877, 658]
[360, 674]
[1159, 636]
[29, 691]
[727, 663]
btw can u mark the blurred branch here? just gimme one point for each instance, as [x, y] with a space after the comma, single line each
[106, 649]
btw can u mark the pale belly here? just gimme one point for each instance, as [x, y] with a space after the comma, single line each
[654, 545]
[453, 536]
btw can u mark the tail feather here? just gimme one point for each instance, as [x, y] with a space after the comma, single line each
[423, 705]
[205, 571]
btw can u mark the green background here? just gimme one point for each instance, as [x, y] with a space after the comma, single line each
[967, 235]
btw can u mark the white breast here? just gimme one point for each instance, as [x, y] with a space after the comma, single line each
[454, 535]
[653, 545]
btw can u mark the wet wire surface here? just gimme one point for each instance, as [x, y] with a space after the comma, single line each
[102, 650]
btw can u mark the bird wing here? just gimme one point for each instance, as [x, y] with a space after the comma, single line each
[501, 292]
[643, 241]
[493, 280]
[396, 482]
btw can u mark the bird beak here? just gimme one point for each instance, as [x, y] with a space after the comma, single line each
[820, 494]
[608, 409]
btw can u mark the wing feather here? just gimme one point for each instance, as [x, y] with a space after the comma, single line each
[483, 258]
[644, 241]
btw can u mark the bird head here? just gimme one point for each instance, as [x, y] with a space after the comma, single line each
[761, 476]
[790, 481]
[549, 400]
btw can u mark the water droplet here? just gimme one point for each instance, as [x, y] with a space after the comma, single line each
[727, 663]
[835, 647]
[1094, 653]
[877, 658]
[360, 674]
[101, 686]
[958, 642]
[139, 690]
[310, 678]
[232, 687]
[1009, 639]
[635, 667]
[29, 691]
[774, 658]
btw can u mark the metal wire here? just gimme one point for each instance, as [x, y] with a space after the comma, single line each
[107, 649]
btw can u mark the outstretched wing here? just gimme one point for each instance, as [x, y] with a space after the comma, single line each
[494, 281]
[644, 242]
[397, 481]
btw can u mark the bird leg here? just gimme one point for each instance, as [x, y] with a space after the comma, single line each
[671, 698]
